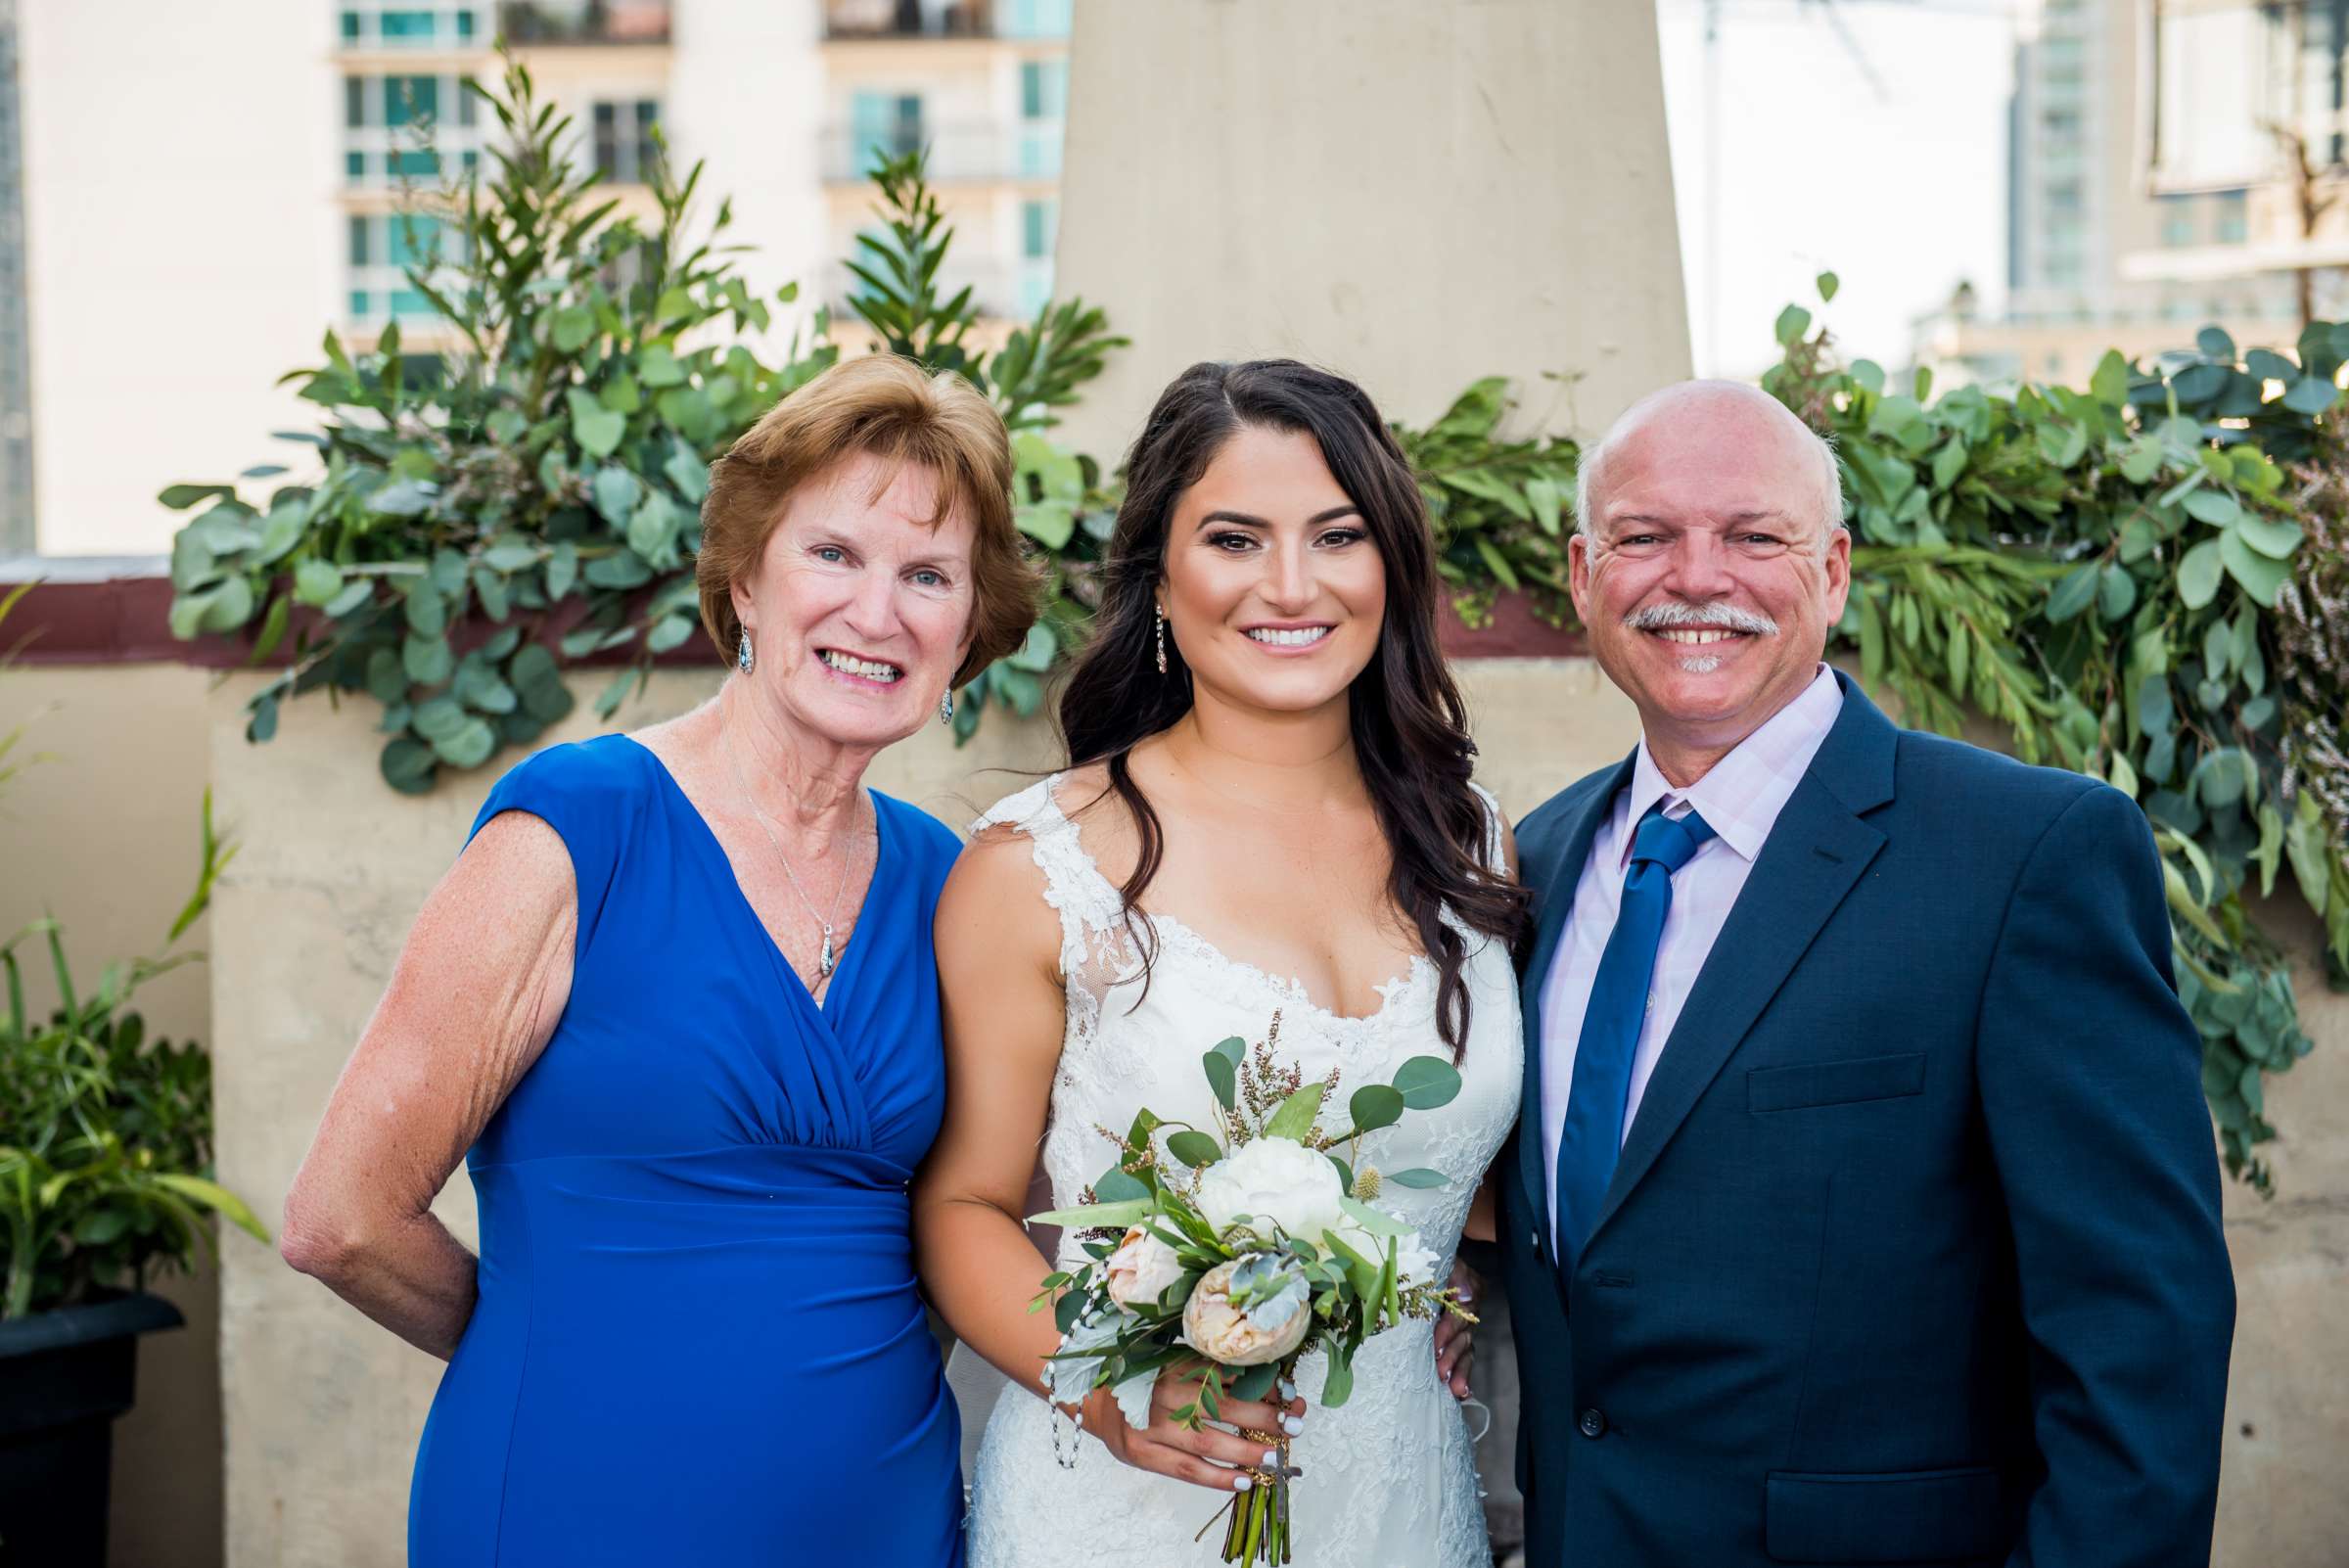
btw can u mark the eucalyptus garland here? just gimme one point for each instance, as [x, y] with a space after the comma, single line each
[2144, 579]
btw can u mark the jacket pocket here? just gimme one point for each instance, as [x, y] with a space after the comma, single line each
[1914, 1516]
[1806, 1083]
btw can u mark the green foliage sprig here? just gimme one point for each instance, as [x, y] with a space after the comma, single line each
[105, 1136]
[2111, 574]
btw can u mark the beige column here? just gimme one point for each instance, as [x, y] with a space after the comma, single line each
[1417, 193]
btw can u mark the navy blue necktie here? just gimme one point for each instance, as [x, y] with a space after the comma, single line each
[1602, 1058]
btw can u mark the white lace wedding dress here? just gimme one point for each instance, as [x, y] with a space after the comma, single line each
[1390, 1478]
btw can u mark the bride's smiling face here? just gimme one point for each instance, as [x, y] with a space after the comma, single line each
[1274, 590]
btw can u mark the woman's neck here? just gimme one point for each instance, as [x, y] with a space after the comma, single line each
[799, 779]
[1291, 762]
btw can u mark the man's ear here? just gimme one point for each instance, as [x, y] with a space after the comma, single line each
[1578, 573]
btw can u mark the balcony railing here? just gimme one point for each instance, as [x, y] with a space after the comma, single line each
[909, 19]
[1026, 149]
[585, 22]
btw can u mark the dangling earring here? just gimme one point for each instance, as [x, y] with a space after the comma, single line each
[742, 652]
[1159, 611]
[946, 705]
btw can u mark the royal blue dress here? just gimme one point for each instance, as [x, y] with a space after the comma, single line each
[697, 1340]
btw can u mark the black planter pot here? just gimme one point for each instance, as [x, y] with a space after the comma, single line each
[64, 1375]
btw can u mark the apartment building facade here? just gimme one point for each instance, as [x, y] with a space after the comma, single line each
[294, 157]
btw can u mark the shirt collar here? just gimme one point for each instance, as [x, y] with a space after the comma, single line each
[1741, 796]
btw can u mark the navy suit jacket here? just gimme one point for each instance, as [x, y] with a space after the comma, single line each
[1912, 1253]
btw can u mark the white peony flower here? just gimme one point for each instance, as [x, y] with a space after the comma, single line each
[1274, 1181]
[1141, 1269]
[1222, 1333]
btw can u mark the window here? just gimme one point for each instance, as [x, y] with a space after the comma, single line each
[1043, 89]
[626, 150]
[438, 25]
[389, 117]
[2177, 220]
[411, 100]
[2232, 220]
[1038, 222]
[1033, 19]
[884, 124]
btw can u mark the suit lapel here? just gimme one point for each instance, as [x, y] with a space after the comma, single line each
[1817, 851]
[1554, 868]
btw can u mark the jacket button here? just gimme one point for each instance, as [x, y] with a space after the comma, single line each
[1593, 1422]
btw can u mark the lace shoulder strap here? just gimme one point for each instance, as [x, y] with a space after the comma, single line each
[1090, 907]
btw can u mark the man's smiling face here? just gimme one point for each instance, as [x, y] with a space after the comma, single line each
[1710, 566]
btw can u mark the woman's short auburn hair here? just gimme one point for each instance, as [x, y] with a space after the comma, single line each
[889, 407]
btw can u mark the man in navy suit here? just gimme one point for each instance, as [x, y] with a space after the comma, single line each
[1864, 1207]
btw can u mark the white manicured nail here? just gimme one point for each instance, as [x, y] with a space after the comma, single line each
[1272, 1457]
[1292, 1424]
[1243, 1482]
[1288, 1389]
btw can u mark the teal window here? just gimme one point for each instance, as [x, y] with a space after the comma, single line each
[1043, 89]
[884, 124]
[411, 100]
[354, 166]
[411, 163]
[1035, 19]
[361, 301]
[411, 239]
[2233, 225]
[351, 26]
[2177, 220]
[406, 27]
[1037, 220]
[355, 102]
[411, 303]
[359, 248]
[465, 25]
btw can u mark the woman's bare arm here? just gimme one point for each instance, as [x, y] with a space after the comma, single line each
[477, 992]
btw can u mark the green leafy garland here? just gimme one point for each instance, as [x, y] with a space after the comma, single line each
[2145, 581]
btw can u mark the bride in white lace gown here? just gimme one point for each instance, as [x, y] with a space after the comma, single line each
[1281, 782]
[1389, 1476]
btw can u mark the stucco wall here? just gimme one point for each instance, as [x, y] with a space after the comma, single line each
[1417, 193]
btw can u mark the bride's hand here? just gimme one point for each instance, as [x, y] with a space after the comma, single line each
[1456, 1345]
[1169, 1448]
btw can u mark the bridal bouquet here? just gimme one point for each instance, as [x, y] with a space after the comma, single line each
[1241, 1249]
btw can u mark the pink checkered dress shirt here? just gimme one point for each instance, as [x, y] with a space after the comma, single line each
[1742, 797]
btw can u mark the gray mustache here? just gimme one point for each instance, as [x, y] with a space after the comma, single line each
[1674, 614]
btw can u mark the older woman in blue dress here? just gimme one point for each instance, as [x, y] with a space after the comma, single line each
[675, 1006]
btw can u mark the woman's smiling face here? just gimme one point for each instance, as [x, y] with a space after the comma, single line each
[860, 610]
[1275, 591]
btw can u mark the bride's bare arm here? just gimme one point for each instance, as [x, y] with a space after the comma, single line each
[999, 949]
[999, 957]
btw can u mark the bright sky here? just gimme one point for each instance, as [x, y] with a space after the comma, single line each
[1902, 194]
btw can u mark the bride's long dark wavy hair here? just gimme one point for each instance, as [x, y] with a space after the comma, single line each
[1410, 730]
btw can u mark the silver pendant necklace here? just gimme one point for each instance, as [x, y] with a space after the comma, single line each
[825, 961]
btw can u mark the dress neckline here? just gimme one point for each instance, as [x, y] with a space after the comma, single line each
[1390, 990]
[854, 956]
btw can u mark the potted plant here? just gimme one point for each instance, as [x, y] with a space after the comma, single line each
[104, 1161]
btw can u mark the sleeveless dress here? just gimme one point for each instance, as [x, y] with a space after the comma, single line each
[1389, 1477]
[697, 1339]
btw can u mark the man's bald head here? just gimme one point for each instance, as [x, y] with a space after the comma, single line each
[1731, 410]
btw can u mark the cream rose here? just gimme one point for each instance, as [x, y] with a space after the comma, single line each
[1141, 1269]
[1274, 1181]
[1219, 1331]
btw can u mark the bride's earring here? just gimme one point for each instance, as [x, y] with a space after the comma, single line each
[742, 652]
[1159, 611]
[946, 705]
